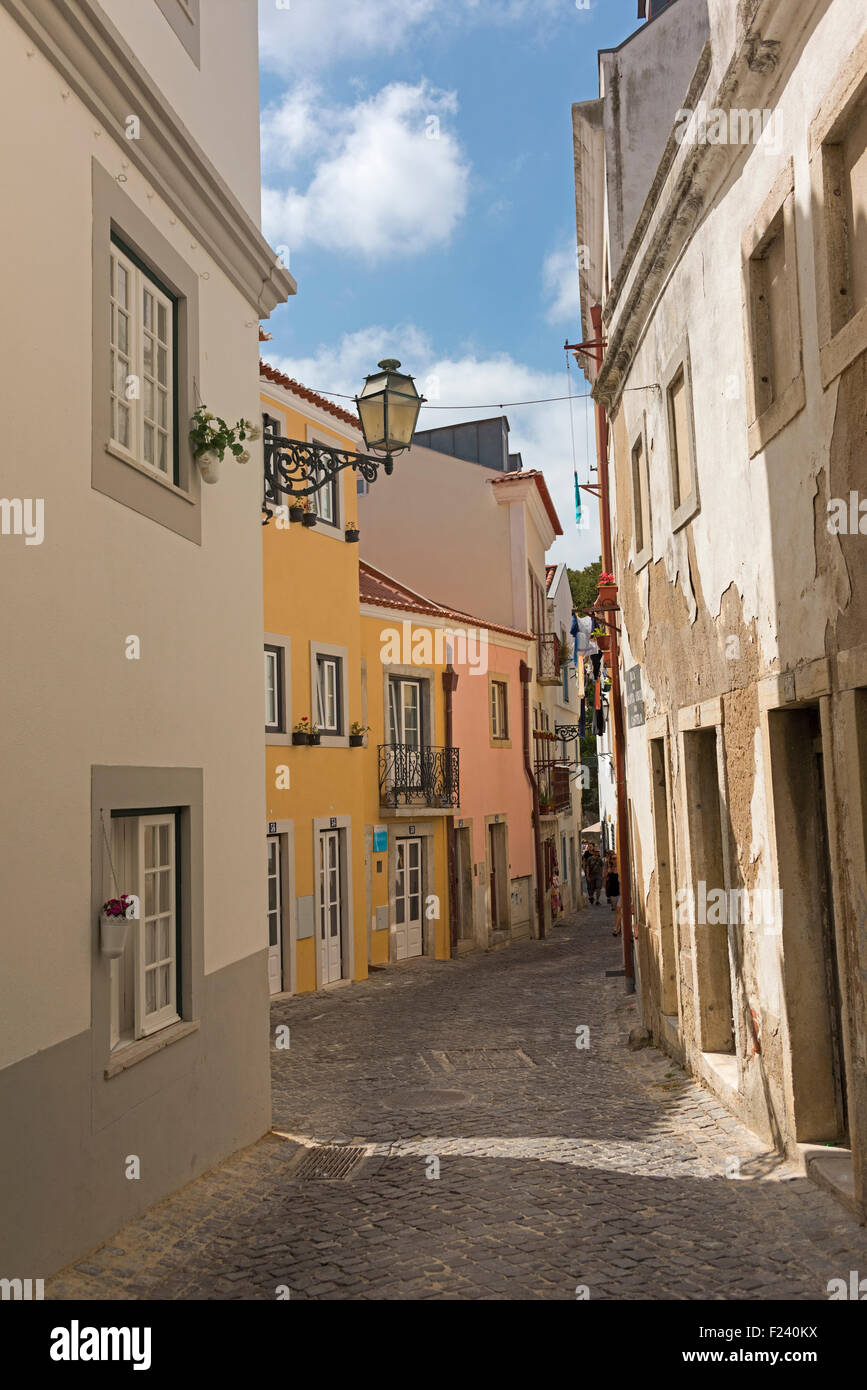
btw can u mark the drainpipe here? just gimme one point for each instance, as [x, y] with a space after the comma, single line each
[450, 685]
[623, 854]
[525, 675]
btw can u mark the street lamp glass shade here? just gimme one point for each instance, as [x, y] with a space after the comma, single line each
[388, 408]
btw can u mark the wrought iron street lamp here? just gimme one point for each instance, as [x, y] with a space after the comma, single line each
[388, 409]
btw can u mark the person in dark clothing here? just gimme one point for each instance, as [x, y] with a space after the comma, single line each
[612, 888]
[593, 870]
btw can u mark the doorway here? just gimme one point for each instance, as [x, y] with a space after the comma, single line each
[811, 969]
[331, 911]
[713, 971]
[464, 876]
[498, 863]
[275, 914]
[408, 899]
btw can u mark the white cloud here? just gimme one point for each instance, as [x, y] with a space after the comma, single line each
[394, 180]
[313, 34]
[560, 285]
[540, 433]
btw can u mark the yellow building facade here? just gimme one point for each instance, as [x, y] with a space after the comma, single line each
[355, 876]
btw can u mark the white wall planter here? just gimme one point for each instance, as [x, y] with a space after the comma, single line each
[209, 466]
[112, 935]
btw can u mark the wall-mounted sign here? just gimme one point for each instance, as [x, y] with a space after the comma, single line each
[380, 838]
[272, 827]
[634, 698]
[333, 823]
[412, 830]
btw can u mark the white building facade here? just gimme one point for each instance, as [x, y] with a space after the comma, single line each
[135, 276]
[724, 218]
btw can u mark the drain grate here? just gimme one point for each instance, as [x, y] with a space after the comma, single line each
[328, 1162]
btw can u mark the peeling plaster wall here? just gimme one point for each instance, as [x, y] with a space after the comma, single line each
[753, 586]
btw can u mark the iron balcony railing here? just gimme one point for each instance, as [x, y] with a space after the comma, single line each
[552, 780]
[548, 647]
[413, 775]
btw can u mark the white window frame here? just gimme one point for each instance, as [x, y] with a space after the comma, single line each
[275, 657]
[339, 737]
[132, 374]
[499, 710]
[324, 665]
[128, 833]
[333, 525]
[683, 509]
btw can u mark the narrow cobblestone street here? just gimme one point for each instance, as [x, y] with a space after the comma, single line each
[559, 1166]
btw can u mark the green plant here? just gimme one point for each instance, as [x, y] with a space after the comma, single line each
[303, 725]
[210, 434]
[356, 728]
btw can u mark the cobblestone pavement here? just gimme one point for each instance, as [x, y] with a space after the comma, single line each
[559, 1165]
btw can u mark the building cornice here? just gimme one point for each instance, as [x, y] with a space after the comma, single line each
[78, 38]
[685, 184]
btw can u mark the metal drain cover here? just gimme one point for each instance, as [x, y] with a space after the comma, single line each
[425, 1099]
[328, 1162]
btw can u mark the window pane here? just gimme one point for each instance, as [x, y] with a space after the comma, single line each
[122, 425]
[165, 996]
[162, 456]
[165, 890]
[150, 992]
[122, 293]
[162, 366]
[122, 332]
[161, 323]
[149, 355]
[150, 943]
[149, 443]
[165, 939]
[165, 857]
[148, 310]
[150, 840]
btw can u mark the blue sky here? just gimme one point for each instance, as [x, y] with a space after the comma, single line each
[417, 176]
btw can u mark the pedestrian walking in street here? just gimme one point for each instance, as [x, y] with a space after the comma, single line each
[593, 870]
[612, 889]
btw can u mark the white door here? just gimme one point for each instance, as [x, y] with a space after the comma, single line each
[330, 908]
[407, 899]
[405, 712]
[275, 916]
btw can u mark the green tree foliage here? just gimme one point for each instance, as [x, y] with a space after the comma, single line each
[583, 584]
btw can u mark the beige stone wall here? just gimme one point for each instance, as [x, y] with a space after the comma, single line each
[69, 696]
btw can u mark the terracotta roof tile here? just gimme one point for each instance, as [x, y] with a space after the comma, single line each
[381, 589]
[280, 379]
[545, 495]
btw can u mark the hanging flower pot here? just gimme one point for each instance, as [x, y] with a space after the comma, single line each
[602, 639]
[606, 593]
[209, 466]
[114, 925]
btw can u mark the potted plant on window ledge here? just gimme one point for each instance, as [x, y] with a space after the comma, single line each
[210, 437]
[310, 516]
[114, 919]
[301, 731]
[315, 735]
[356, 734]
[351, 533]
[297, 509]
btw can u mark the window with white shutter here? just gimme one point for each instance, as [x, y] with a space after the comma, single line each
[142, 324]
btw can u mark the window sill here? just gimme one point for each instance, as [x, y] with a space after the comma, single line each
[277, 738]
[333, 741]
[840, 351]
[149, 473]
[685, 512]
[777, 415]
[501, 742]
[129, 1056]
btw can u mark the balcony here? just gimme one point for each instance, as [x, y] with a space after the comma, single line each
[418, 778]
[548, 658]
[552, 779]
